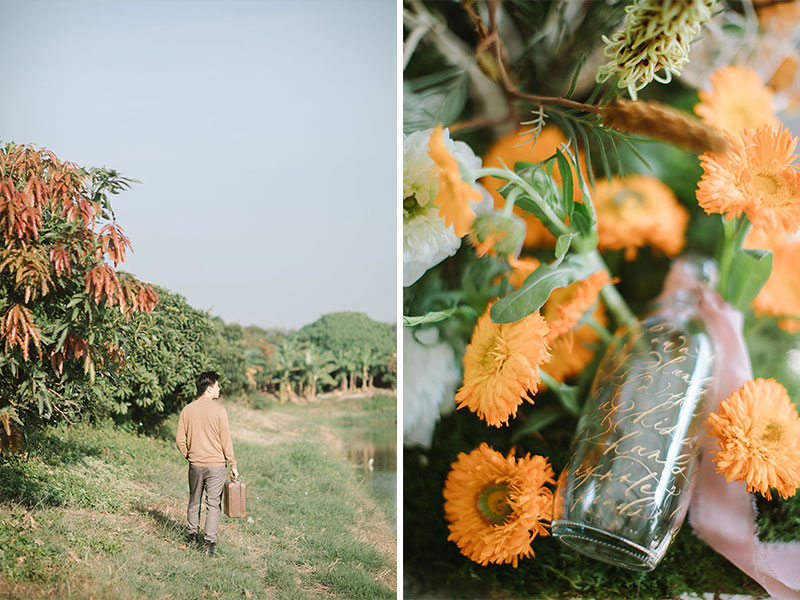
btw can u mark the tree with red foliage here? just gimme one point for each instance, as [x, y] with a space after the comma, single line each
[65, 311]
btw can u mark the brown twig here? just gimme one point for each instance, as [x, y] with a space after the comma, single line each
[479, 122]
[491, 38]
[651, 119]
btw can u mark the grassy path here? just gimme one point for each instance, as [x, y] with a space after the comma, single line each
[100, 513]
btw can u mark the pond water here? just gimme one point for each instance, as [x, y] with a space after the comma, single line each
[372, 447]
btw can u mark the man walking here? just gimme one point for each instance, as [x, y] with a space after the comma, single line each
[204, 439]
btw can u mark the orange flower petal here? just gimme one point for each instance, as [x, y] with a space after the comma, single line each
[738, 100]
[638, 211]
[495, 505]
[756, 176]
[759, 438]
[780, 296]
[454, 193]
[501, 365]
[580, 296]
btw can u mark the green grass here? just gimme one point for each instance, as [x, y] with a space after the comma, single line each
[99, 512]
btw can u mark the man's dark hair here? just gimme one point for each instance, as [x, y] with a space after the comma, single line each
[206, 379]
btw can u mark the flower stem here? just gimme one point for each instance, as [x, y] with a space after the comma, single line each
[726, 255]
[557, 224]
[508, 209]
[734, 233]
[604, 333]
[611, 297]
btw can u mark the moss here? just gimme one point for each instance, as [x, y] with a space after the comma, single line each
[431, 563]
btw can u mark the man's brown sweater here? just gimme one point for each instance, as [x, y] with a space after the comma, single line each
[204, 436]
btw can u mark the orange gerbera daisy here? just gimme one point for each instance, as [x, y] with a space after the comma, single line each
[780, 296]
[737, 100]
[454, 193]
[501, 365]
[518, 147]
[785, 83]
[572, 351]
[497, 505]
[522, 267]
[759, 438]
[639, 211]
[756, 176]
[566, 305]
[562, 311]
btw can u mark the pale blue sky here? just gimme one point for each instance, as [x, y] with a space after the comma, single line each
[263, 133]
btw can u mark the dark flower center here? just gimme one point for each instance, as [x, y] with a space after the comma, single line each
[492, 503]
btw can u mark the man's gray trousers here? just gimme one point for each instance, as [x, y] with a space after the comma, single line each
[211, 480]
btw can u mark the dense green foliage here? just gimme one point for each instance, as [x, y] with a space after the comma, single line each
[65, 312]
[362, 347]
[82, 339]
[227, 352]
[171, 345]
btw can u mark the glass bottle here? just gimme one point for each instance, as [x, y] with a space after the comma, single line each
[625, 490]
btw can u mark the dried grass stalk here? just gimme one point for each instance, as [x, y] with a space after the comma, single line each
[661, 122]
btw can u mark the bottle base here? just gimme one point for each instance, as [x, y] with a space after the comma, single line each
[605, 546]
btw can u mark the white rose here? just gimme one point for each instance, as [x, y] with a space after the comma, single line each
[426, 240]
[426, 243]
[430, 378]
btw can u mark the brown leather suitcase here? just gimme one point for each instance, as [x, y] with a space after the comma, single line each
[234, 499]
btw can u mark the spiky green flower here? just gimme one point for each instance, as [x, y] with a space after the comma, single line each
[656, 37]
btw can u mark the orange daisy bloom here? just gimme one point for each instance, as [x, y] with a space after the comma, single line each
[737, 100]
[780, 296]
[756, 176]
[515, 148]
[572, 351]
[639, 211]
[759, 438]
[454, 193]
[785, 83]
[495, 505]
[569, 347]
[567, 304]
[501, 365]
[522, 267]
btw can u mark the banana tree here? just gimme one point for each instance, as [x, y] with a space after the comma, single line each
[288, 360]
[318, 365]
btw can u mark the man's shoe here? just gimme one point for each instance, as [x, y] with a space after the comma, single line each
[199, 540]
[191, 539]
[210, 549]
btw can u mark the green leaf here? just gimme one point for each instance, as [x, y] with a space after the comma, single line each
[585, 222]
[566, 183]
[521, 165]
[434, 99]
[431, 317]
[537, 288]
[568, 395]
[538, 419]
[562, 246]
[750, 270]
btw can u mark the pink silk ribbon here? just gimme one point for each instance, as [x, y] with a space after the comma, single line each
[722, 513]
